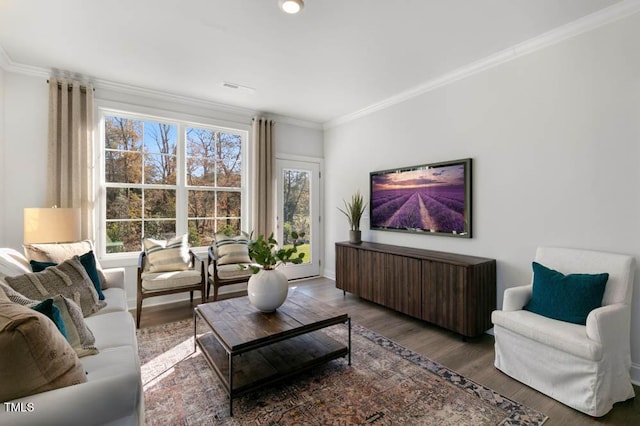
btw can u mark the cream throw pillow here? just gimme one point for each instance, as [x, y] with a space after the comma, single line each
[230, 250]
[34, 355]
[69, 278]
[58, 253]
[167, 255]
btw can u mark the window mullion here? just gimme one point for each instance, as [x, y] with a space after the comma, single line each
[181, 190]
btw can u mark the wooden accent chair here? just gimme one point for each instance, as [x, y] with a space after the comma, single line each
[151, 284]
[222, 275]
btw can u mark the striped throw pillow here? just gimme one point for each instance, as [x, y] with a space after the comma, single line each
[167, 255]
[232, 250]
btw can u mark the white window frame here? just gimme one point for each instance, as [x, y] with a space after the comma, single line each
[181, 121]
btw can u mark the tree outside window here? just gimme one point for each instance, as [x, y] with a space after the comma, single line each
[143, 188]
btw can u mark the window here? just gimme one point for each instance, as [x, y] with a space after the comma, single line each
[166, 177]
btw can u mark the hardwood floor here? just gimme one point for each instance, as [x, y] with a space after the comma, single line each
[473, 359]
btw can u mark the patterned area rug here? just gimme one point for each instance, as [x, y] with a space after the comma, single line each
[386, 384]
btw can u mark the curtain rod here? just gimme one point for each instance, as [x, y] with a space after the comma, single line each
[81, 86]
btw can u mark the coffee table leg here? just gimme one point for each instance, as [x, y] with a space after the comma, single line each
[230, 385]
[349, 321]
[195, 329]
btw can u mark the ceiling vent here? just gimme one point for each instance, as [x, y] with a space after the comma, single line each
[238, 87]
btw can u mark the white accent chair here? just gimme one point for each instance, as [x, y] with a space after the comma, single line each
[583, 366]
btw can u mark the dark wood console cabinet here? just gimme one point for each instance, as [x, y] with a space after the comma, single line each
[454, 291]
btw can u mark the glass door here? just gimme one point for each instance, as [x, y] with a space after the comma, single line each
[298, 210]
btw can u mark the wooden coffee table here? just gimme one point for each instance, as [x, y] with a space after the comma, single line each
[274, 346]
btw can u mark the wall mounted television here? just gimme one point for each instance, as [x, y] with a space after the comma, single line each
[430, 198]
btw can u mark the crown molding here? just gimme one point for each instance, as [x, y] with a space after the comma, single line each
[587, 23]
[9, 65]
[283, 119]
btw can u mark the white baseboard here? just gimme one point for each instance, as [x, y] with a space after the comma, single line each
[635, 374]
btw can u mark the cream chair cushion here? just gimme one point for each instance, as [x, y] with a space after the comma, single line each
[227, 272]
[157, 281]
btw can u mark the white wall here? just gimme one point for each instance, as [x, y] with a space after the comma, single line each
[25, 149]
[555, 140]
[304, 141]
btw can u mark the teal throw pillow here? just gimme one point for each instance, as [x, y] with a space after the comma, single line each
[40, 266]
[51, 311]
[565, 297]
[88, 260]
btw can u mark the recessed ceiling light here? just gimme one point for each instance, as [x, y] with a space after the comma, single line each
[291, 6]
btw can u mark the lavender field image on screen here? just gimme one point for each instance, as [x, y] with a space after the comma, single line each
[430, 199]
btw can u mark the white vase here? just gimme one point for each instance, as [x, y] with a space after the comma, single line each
[268, 290]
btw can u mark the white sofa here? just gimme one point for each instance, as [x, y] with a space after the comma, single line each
[113, 393]
[583, 366]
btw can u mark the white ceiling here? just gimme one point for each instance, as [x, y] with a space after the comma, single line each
[334, 58]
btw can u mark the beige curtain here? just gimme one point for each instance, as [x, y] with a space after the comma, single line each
[263, 177]
[70, 155]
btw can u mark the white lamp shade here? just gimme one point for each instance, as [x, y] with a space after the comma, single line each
[51, 225]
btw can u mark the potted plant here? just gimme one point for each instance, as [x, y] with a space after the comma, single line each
[268, 287]
[353, 211]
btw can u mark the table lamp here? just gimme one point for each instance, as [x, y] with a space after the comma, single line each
[51, 225]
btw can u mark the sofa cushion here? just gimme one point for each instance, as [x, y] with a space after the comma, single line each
[565, 297]
[114, 375]
[113, 330]
[231, 250]
[68, 278]
[34, 356]
[88, 260]
[167, 255]
[116, 299]
[59, 252]
[12, 263]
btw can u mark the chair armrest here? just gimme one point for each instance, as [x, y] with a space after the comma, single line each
[213, 262]
[114, 278]
[198, 264]
[610, 325]
[515, 298]
[141, 260]
[196, 260]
